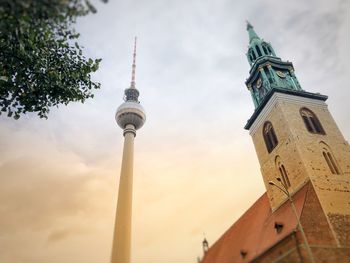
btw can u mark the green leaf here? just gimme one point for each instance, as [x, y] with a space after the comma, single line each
[40, 67]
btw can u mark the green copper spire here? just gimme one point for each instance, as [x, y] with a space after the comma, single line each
[251, 32]
[257, 46]
[268, 72]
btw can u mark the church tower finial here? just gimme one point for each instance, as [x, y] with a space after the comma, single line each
[251, 32]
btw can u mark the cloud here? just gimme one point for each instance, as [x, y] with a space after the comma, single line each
[59, 235]
[48, 195]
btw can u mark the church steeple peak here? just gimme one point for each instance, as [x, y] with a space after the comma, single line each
[267, 71]
[251, 32]
[258, 47]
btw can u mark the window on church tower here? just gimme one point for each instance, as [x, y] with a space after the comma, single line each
[284, 175]
[269, 49]
[330, 161]
[252, 55]
[269, 136]
[265, 50]
[329, 158]
[311, 121]
[259, 51]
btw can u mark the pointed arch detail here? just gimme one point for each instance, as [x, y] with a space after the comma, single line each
[270, 137]
[311, 121]
[329, 158]
[282, 172]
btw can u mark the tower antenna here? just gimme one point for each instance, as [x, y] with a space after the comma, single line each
[132, 84]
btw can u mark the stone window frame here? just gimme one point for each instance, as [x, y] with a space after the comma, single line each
[330, 159]
[282, 172]
[312, 123]
[270, 136]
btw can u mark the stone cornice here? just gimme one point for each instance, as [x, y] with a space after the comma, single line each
[273, 96]
[267, 60]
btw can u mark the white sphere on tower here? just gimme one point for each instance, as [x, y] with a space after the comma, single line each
[130, 112]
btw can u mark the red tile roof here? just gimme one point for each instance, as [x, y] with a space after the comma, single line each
[255, 231]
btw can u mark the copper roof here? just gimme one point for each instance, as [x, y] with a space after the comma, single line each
[255, 231]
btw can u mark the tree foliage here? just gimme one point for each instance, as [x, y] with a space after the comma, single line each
[41, 64]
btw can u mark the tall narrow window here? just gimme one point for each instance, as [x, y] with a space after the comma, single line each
[284, 175]
[282, 172]
[254, 57]
[265, 50]
[269, 49]
[311, 121]
[259, 51]
[330, 160]
[269, 136]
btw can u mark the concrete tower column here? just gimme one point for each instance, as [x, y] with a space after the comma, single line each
[122, 229]
[130, 117]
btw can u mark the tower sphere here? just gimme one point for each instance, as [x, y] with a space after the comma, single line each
[130, 112]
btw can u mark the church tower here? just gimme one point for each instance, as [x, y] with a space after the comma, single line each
[296, 138]
[130, 117]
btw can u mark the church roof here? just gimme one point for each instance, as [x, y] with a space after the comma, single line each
[255, 232]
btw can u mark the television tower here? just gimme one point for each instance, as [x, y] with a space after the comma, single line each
[130, 117]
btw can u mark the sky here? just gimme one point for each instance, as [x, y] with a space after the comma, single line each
[196, 170]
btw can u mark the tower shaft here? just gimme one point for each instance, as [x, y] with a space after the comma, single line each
[122, 229]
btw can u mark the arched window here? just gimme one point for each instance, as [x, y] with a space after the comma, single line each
[282, 172]
[265, 50]
[311, 121]
[259, 51]
[269, 49]
[284, 176]
[254, 57]
[269, 136]
[330, 160]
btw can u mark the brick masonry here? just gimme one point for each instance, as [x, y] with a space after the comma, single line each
[319, 235]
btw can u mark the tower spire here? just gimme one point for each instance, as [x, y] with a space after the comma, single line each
[267, 71]
[251, 32]
[132, 84]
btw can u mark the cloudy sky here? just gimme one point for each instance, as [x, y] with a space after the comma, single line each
[196, 170]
